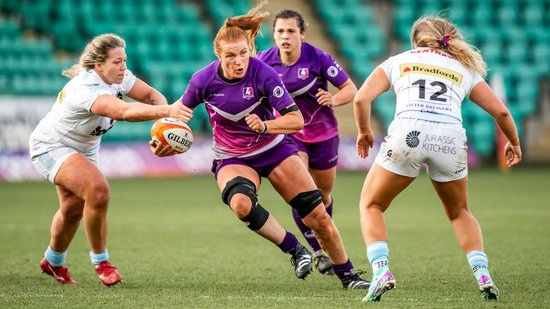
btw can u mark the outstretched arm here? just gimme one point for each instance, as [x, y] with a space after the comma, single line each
[142, 92]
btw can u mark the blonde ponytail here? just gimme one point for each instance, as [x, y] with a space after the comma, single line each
[438, 33]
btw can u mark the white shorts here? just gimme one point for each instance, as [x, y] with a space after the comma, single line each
[412, 142]
[49, 163]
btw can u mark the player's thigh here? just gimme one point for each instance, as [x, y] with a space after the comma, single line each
[453, 195]
[290, 178]
[381, 186]
[304, 157]
[231, 171]
[324, 179]
[82, 177]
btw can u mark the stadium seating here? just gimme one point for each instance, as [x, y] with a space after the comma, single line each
[163, 56]
[38, 39]
[353, 29]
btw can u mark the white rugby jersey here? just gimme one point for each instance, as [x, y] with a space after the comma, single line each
[429, 84]
[70, 121]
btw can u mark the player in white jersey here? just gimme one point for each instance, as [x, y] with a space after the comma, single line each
[64, 148]
[430, 82]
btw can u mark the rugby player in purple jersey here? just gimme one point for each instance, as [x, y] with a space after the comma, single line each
[240, 93]
[306, 71]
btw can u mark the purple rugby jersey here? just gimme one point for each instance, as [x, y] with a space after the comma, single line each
[259, 92]
[312, 71]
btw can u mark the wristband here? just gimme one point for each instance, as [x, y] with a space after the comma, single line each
[265, 129]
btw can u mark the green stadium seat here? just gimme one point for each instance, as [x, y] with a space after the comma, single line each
[483, 133]
[533, 16]
[4, 84]
[457, 16]
[541, 56]
[482, 15]
[404, 17]
[37, 14]
[492, 53]
[9, 29]
[9, 5]
[67, 36]
[516, 54]
[384, 107]
[507, 15]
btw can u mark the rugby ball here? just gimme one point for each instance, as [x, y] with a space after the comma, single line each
[172, 132]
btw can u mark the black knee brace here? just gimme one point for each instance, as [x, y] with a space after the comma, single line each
[305, 202]
[256, 218]
[239, 185]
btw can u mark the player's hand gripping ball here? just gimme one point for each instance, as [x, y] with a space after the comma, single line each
[169, 131]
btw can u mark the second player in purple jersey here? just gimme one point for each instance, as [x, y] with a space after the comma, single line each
[306, 71]
[312, 71]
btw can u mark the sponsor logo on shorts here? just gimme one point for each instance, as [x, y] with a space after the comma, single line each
[392, 155]
[460, 170]
[412, 139]
[426, 69]
[439, 143]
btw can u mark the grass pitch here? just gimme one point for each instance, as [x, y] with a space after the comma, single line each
[178, 246]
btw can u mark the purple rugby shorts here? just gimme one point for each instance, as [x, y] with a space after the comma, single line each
[263, 163]
[322, 155]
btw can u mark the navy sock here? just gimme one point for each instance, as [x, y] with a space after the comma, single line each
[289, 244]
[343, 270]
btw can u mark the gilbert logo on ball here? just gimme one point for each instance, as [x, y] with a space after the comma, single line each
[172, 132]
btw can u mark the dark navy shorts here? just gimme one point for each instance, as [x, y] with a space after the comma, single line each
[263, 163]
[322, 155]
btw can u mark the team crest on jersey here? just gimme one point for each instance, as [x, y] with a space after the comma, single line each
[332, 71]
[303, 73]
[248, 93]
[278, 91]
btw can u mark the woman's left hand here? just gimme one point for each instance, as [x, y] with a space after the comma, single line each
[324, 98]
[255, 123]
[161, 150]
[364, 142]
[513, 154]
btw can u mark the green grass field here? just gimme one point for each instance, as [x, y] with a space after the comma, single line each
[177, 245]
